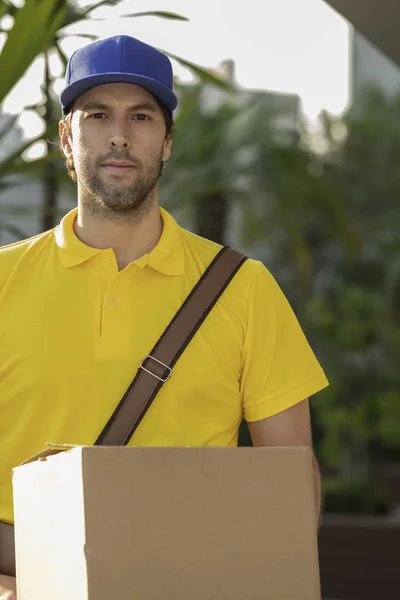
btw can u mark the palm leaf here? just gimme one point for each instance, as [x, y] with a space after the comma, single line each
[89, 9]
[41, 18]
[156, 13]
[61, 53]
[8, 126]
[6, 8]
[204, 74]
[88, 36]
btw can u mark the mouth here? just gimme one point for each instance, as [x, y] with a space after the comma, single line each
[119, 169]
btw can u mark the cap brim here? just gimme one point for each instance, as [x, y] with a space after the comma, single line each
[74, 90]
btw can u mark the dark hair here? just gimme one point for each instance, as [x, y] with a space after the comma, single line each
[66, 120]
[168, 118]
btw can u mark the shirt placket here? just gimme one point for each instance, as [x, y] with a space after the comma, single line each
[109, 318]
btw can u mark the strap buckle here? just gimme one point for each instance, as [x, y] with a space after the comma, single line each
[163, 379]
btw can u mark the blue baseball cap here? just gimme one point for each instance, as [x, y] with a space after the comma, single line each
[123, 59]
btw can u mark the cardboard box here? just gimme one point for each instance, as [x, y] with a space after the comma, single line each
[96, 523]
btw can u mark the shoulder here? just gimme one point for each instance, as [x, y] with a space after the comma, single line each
[203, 251]
[12, 254]
[199, 249]
[252, 283]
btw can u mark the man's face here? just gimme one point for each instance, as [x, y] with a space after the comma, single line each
[110, 123]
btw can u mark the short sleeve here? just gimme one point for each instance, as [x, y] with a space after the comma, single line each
[279, 368]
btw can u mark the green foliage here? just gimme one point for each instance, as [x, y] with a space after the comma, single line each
[41, 18]
[327, 225]
[352, 311]
[354, 497]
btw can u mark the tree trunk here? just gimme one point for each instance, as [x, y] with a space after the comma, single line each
[211, 217]
[50, 181]
[211, 223]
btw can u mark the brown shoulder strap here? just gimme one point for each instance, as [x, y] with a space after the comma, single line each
[157, 367]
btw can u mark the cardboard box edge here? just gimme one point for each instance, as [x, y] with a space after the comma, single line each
[50, 451]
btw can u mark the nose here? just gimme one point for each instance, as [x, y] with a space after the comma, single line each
[119, 137]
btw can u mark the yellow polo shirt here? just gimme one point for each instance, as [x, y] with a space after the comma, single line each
[73, 331]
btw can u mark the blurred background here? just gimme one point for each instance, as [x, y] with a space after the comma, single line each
[288, 148]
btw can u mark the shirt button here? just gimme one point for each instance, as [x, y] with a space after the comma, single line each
[112, 301]
[106, 260]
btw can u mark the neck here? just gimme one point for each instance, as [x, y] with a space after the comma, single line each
[130, 239]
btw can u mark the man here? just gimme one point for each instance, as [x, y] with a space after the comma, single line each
[82, 304]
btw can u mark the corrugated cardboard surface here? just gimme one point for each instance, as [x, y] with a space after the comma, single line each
[97, 523]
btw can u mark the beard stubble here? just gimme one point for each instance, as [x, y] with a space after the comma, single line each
[118, 199]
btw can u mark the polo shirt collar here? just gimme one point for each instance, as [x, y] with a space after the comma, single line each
[167, 257]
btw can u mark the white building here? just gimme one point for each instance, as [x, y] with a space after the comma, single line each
[370, 67]
[284, 108]
[20, 209]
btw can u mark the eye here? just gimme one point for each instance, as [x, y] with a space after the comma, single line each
[96, 115]
[141, 117]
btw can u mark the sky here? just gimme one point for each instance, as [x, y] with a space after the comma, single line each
[294, 46]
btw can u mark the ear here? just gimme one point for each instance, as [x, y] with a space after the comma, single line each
[66, 142]
[167, 148]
